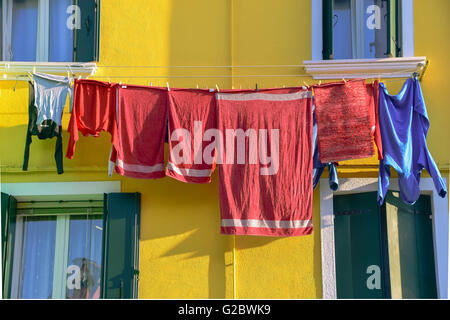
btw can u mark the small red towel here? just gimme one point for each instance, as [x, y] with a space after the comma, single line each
[141, 120]
[191, 114]
[265, 180]
[94, 111]
[344, 129]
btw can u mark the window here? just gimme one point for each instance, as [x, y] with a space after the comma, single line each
[361, 29]
[362, 39]
[70, 246]
[49, 30]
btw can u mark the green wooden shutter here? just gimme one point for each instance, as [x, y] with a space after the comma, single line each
[120, 265]
[87, 37]
[393, 28]
[358, 247]
[327, 24]
[411, 250]
[8, 216]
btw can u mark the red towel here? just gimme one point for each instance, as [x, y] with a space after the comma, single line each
[191, 114]
[266, 191]
[344, 129]
[94, 111]
[141, 120]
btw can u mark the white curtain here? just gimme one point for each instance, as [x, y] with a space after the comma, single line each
[7, 6]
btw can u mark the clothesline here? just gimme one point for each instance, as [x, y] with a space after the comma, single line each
[25, 77]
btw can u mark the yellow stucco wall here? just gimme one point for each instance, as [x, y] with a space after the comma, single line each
[183, 254]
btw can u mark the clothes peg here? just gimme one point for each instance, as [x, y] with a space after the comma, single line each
[256, 87]
[151, 84]
[197, 85]
[79, 77]
[344, 80]
[15, 85]
[217, 87]
[168, 87]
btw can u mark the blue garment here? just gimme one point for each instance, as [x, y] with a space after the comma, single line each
[404, 126]
[319, 167]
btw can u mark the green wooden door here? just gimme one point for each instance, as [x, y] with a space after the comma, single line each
[411, 250]
[359, 264]
[384, 252]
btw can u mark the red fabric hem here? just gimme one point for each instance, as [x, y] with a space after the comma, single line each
[241, 231]
[196, 180]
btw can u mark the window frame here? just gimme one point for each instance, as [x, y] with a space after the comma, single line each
[359, 185]
[368, 68]
[61, 251]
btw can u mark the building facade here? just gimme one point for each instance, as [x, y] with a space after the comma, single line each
[177, 250]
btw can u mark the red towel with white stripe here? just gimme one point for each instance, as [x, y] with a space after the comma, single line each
[191, 114]
[265, 180]
[344, 129]
[141, 121]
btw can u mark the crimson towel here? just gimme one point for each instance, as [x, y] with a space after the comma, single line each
[141, 120]
[373, 93]
[265, 179]
[94, 111]
[192, 113]
[344, 129]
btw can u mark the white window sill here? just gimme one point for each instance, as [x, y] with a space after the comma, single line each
[11, 70]
[364, 68]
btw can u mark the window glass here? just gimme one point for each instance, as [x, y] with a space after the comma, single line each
[361, 28]
[21, 30]
[38, 255]
[57, 256]
[85, 255]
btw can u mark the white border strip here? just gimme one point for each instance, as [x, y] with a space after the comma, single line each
[357, 185]
[59, 188]
[140, 168]
[189, 172]
[264, 96]
[271, 224]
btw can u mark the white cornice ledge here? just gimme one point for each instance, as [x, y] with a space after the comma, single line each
[364, 68]
[11, 69]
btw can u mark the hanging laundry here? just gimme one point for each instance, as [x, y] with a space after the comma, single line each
[192, 115]
[45, 129]
[94, 111]
[343, 121]
[265, 180]
[141, 123]
[318, 166]
[373, 94]
[51, 96]
[404, 127]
